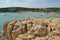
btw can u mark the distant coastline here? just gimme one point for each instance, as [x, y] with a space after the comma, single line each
[22, 9]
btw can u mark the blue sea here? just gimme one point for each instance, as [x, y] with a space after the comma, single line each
[16, 16]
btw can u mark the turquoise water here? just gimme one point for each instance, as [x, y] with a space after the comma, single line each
[15, 16]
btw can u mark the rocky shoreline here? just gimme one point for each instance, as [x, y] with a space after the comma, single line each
[32, 29]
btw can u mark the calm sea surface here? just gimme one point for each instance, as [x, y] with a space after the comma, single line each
[15, 16]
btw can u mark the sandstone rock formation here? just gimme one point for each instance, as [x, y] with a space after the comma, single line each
[32, 29]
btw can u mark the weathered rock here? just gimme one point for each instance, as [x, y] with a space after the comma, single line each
[39, 30]
[55, 33]
[54, 38]
[25, 37]
[32, 29]
[40, 38]
[4, 31]
[10, 27]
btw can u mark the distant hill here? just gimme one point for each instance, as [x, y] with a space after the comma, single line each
[20, 9]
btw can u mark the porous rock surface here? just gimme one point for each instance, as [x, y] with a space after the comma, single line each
[32, 29]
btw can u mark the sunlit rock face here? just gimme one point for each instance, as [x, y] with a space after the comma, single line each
[32, 29]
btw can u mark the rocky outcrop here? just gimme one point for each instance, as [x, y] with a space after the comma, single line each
[32, 29]
[54, 38]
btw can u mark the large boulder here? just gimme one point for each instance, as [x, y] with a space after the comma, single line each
[31, 29]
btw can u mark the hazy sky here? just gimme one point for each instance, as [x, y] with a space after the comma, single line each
[30, 3]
